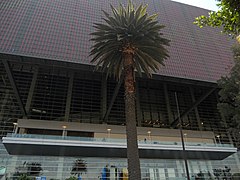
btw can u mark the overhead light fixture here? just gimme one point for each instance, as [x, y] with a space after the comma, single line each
[39, 111]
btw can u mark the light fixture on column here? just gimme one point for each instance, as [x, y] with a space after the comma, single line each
[185, 136]
[15, 127]
[109, 132]
[64, 130]
[149, 135]
[218, 137]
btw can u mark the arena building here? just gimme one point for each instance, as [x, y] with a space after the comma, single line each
[59, 118]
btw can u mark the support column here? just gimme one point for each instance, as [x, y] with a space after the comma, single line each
[138, 106]
[169, 111]
[103, 97]
[22, 130]
[69, 96]
[31, 91]
[60, 167]
[196, 109]
[12, 164]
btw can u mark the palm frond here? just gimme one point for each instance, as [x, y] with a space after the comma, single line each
[133, 27]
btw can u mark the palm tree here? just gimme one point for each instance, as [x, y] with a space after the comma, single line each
[129, 40]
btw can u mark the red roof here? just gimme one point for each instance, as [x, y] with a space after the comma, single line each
[59, 30]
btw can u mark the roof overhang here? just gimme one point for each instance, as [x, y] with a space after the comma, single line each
[91, 148]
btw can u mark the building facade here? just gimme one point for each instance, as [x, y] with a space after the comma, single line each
[59, 118]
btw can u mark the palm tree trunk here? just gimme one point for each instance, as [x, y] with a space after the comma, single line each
[131, 128]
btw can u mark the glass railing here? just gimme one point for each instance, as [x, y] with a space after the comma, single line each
[71, 138]
[115, 140]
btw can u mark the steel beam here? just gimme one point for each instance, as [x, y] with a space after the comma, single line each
[115, 93]
[31, 91]
[69, 96]
[196, 110]
[192, 106]
[14, 86]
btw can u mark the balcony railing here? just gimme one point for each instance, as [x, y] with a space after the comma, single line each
[114, 140]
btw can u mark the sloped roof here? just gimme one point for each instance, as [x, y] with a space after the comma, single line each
[59, 30]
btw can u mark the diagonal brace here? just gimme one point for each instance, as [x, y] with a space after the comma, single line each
[115, 93]
[14, 86]
[192, 106]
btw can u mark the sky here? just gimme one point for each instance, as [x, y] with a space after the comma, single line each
[206, 4]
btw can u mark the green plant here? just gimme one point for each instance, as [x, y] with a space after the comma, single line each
[236, 176]
[227, 17]
[24, 177]
[72, 178]
[79, 167]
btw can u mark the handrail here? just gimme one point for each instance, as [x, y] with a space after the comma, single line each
[115, 140]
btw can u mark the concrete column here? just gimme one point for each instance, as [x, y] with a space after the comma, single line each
[69, 97]
[237, 159]
[60, 167]
[22, 130]
[12, 164]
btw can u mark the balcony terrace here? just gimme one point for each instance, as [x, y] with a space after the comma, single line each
[48, 145]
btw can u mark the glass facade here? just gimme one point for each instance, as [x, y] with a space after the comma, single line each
[93, 168]
[52, 92]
